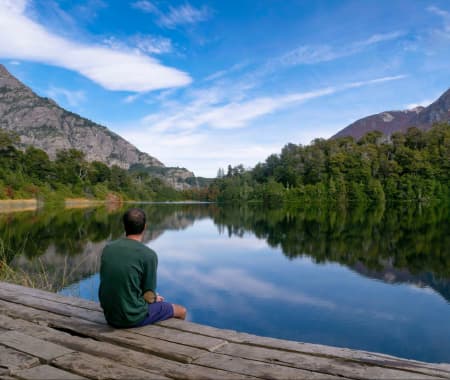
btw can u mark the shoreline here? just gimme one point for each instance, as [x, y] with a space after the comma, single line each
[10, 205]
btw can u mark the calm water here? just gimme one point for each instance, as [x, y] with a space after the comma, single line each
[377, 280]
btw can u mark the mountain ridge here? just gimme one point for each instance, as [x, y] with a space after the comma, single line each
[389, 122]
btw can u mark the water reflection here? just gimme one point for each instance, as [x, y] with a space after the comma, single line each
[373, 279]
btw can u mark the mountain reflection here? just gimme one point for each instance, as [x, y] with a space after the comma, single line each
[399, 244]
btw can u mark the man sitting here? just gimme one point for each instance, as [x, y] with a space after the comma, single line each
[127, 290]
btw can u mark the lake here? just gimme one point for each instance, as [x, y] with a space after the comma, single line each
[373, 279]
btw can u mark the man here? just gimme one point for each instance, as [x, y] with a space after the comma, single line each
[128, 279]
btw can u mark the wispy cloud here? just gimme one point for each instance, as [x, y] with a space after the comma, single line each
[197, 129]
[185, 14]
[23, 39]
[311, 54]
[145, 6]
[445, 15]
[141, 44]
[239, 282]
[73, 98]
[207, 109]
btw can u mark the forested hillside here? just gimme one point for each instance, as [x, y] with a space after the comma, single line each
[31, 174]
[411, 166]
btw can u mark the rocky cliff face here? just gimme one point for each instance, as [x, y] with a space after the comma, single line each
[399, 121]
[42, 123]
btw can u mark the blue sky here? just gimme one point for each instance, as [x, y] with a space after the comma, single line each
[204, 84]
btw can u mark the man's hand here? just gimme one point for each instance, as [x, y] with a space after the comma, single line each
[151, 297]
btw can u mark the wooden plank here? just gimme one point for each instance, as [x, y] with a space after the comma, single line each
[84, 317]
[46, 372]
[14, 360]
[126, 338]
[36, 347]
[118, 354]
[49, 305]
[38, 293]
[181, 337]
[99, 368]
[258, 369]
[331, 366]
[376, 359]
[169, 350]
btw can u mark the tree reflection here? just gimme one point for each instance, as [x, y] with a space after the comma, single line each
[400, 243]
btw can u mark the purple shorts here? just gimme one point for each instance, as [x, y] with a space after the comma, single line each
[157, 311]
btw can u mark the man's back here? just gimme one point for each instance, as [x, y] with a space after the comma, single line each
[127, 271]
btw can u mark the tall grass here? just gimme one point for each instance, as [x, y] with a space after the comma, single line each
[18, 276]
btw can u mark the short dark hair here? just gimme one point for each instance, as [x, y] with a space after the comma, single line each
[134, 221]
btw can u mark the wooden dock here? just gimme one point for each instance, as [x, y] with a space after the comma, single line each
[47, 336]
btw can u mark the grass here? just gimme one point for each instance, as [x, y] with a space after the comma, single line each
[18, 276]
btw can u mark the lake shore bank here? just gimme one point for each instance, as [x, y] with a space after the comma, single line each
[10, 205]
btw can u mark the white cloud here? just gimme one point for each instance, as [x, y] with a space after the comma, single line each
[206, 109]
[239, 282]
[140, 44]
[152, 44]
[445, 15]
[180, 132]
[21, 38]
[205, 152]
[310, 54]
[423, 103]
[144, 6]
[73, 98]
[183, 15]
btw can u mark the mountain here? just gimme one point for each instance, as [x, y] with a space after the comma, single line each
[399, 121]
[42, 123]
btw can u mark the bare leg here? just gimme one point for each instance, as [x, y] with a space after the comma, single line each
[179, 311]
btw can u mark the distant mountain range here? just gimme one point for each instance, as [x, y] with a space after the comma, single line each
[389, 122]
[42, 123]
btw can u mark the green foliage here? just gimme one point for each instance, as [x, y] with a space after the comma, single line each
[414, 166]
[31, 174]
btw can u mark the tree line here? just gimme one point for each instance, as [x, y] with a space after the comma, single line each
[413, 166]
[30, 173]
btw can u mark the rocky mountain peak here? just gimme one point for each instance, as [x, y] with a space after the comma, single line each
[8, 81]
[389, 122]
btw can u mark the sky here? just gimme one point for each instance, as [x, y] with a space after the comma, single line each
[207, 84]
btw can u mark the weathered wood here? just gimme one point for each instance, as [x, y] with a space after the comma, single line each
[11, 360]
[375, 359]
[46, 372]
[257, 368]
[174, 348]
[53, 306]
[128, 338]
[38, 293]
[119, 354]
[181, 337]
[36, 347]
[169, 350]
[331, 366]
[98, 368]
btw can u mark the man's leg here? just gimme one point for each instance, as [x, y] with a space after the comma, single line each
[179, 311]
